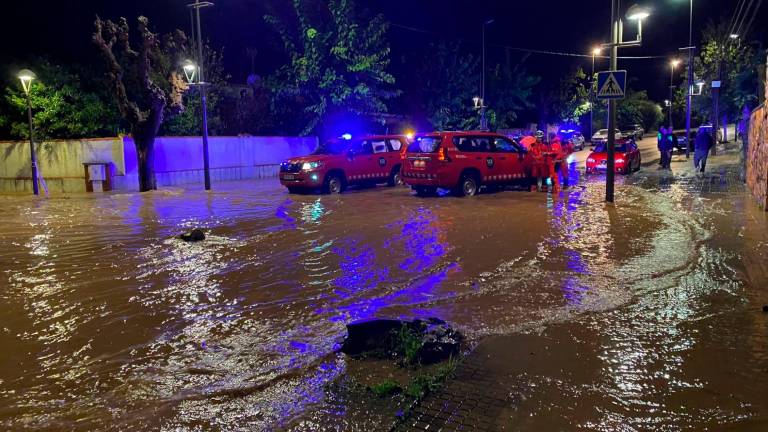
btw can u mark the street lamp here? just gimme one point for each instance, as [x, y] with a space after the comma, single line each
[673, 64]
[595, 52]
[634, 13]
[26, 77]
[190, 70]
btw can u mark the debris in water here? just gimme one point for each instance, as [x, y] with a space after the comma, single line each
[418, 341]
[195, 235]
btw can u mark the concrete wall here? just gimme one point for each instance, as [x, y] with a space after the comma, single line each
[178, 160]
[757, 156]
[60, 163]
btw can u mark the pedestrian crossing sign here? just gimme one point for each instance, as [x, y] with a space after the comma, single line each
[611, 84]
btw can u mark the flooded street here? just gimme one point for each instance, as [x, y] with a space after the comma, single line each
[110, 323]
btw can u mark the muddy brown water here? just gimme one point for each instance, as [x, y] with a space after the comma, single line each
[109, 323]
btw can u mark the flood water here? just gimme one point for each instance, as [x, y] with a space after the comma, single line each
[109, 323]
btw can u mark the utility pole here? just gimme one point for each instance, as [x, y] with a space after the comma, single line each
[716, 95]
[196, 6]
[483, 119]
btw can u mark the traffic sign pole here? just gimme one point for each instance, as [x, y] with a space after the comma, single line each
[611, 163]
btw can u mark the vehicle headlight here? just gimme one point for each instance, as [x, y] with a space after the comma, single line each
[591, 160]
[619, 160]
[309, 166]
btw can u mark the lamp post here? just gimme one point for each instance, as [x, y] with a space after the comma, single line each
[196, 30]
[483, 119]
[595, 52]
[26, 77]
[673, 64]
[634, 13]
[690, 49]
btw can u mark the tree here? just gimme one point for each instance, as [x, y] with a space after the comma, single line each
[572, 100]
[451, 78]
[62, 105]
[728, 60]
[146, 83]
[189, 121]
[338, 64]
[509, 92]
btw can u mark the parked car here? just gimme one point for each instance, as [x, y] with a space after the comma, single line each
[572, 137]
[627, 157]
[601, 136]
[635, 130]
[465, 162]
[338, 164]
[711, 128]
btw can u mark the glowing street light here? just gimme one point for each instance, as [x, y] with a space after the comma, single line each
[190, 71]
[734, 36]
[26, 77]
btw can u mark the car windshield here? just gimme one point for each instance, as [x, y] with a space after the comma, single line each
[602, 148]
[332, 147]
[424, 145]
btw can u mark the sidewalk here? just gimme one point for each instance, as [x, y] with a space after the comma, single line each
[558, 372]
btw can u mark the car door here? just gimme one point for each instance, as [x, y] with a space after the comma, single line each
[510, 160]
[480, 155]
[360, 162]
[382, 159]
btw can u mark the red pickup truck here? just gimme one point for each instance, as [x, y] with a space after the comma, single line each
[464, 162]
[338, 164]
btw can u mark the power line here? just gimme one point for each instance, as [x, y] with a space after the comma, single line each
[537, 51]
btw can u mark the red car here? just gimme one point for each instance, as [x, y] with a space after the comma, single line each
[627, 157]
[338, 164]
[464, 162]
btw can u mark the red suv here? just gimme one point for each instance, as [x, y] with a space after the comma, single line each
[464, 162]
[337, 164]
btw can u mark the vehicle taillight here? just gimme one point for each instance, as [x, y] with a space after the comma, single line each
[441, 155]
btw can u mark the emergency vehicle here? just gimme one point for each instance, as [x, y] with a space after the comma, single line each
[338, 164]
[464, 162]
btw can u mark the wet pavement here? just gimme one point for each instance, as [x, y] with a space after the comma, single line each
[639, 315]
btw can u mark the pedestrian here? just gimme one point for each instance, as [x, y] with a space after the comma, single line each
[667, 144]
[659, 140]
[703, 145]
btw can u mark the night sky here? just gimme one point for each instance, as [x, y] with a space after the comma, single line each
[61, 29]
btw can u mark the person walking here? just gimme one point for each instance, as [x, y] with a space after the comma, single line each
[702, 147]
[659, 141]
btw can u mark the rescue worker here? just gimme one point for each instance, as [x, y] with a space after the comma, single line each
[540, 169]
[702, 148]
[557, 163]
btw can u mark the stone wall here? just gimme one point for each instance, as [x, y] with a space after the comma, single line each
[178, 161]
[757, 157]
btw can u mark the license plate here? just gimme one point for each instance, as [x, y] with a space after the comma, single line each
[289, 177]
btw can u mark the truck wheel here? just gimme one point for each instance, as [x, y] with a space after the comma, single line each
[468, 186]
[394, 178]
[333, 184]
